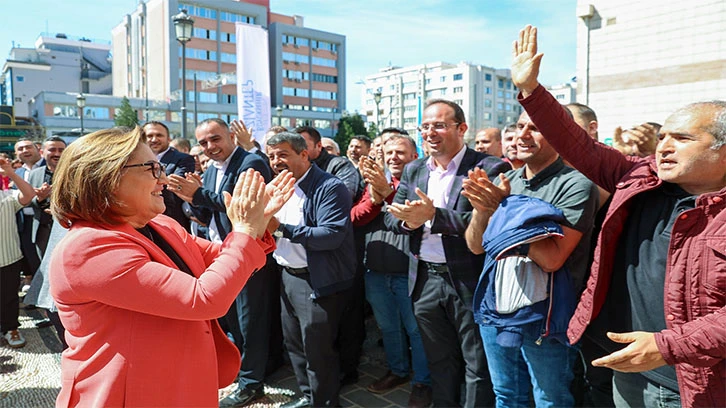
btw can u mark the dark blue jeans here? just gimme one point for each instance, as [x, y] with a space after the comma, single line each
[388, 296]
[545, 367]
[634, 390]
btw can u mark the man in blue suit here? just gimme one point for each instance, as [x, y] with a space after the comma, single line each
[248, 319]
[176, 162]
[443, 273]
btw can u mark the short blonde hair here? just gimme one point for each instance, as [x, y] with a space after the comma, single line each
[88, 174]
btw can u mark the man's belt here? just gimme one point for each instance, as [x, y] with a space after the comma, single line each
[432, 267]
[296, 271]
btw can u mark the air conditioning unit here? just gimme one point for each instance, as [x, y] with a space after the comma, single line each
[315, 49]
[297, 62]
[298, 80]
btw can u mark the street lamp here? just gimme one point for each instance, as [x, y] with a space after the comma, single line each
[377, 99]
[81, 103]
[278, 109]
[183, 24]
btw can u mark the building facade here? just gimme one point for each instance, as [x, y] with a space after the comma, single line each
[564, 93]
[640, 61]
[58, 63]
[487, 95]
[148, 62]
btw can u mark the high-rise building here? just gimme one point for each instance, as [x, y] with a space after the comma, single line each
[640, 61]
[487, 95]
[307, 66]
[58, 63]
[564, 93]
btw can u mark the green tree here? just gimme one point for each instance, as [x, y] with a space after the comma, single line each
[349, 126]
[126, 115]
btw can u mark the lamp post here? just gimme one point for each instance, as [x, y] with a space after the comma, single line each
[183, 24]
[81, 103]
[377, 99]
[278, 109]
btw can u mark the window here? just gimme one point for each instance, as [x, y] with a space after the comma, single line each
[321, 124]
[508, 107]
[509, 84]
[200, 54]
[488, 90]
[233, 18]
[330, 79]
[292, 57]
[458, 77]
[204, 97]
[458, 102]
[228, 37]
[409, 96]
[199, 11]
[229, 99]
[509, 95]
[295, 92]
[96, 113]
[487, 103]
[458, 89]
[324, 95]
[501, 83]
[203, 33]
[325, 62]
[488, 77]
[20, 78]
[65, 111]
[487, 116]
[500, 106]
[412, 108]
[229, 58]
[442, 79]
[428, 81]
[560, 96]
[500, 94]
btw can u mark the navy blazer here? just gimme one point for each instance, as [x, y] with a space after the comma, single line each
[177, 163]
[209, 204]
[326, 233]
[450, 222]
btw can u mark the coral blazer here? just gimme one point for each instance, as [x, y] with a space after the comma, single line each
[139, 331]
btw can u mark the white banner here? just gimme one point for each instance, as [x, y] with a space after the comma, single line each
[253, 79]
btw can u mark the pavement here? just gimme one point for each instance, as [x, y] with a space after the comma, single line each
[30, 376]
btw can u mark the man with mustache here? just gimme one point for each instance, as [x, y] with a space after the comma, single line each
[41, 179]
[655, 295]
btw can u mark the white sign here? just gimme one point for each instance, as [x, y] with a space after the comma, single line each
[253, 79]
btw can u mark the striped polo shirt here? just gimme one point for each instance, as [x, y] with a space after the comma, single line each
[9, 240]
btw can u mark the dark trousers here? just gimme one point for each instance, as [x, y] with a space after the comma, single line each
[452, 342]
[352, 330]
[599, 386]
[41, 238]
[248, 321]
[310, 328]
[9, 301]
[31, 260]
[276, 353]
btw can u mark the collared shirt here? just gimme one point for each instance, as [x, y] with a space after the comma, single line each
[29, 210]
[160, 155]
[288, 253]
[439, 186]
[214, 229]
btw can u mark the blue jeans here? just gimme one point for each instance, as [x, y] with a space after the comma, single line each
[392, 307]
[546, 368]
[634, 390]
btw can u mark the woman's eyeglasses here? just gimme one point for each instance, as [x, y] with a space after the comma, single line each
[157, 169]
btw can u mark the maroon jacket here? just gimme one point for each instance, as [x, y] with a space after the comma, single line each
[695, 291]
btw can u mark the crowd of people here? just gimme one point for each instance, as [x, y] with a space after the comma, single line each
[537, 267]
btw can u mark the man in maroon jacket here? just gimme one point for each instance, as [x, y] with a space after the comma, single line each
[655, 296]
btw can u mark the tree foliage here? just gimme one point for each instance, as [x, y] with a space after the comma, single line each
[352, 125]
[126, 115]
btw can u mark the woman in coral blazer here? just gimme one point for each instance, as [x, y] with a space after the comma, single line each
[137, 294]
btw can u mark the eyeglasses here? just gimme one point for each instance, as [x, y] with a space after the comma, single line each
[157, 169]
[436, 126]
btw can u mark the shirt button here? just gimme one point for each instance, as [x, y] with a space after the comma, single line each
[670, 317]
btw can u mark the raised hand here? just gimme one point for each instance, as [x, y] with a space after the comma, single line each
[242, 136]
[526, 61]
[639, 141]
[246, 205]
[183, 187]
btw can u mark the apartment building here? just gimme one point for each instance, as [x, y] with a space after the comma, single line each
[307, 66]
[486, 94]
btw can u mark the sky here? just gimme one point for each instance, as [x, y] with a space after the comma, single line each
[378, 33]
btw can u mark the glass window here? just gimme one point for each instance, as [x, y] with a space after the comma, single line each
[501, 83]
[230, 58]
[458, 89]
[488, 77]
[487, 103]
[325, 62]
[442, 79]
[321, 124]
[488, 90]
[324, 95]
[458, 77]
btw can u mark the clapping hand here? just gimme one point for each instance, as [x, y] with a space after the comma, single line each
[639, 141]
[246, 205]
[373, 174]
[484, 195]
[414, 213]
